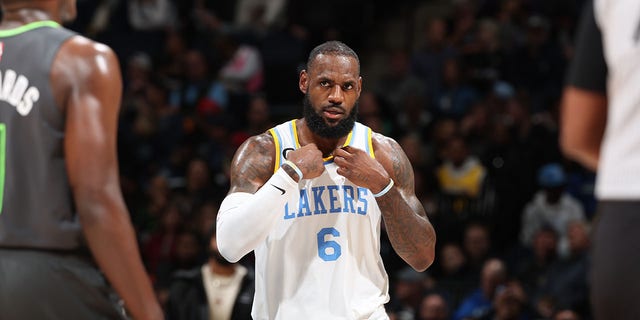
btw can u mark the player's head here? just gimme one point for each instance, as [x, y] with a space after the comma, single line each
[332, 85]
[60, 10]
[335, 48]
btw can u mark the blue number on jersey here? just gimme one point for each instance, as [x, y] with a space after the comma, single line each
[328, 250]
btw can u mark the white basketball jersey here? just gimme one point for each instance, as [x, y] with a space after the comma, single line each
[322, 260]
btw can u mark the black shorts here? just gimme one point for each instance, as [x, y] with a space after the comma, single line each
[52, 285]
[615, 272]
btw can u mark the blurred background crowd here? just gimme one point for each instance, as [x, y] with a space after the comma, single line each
[470, 89]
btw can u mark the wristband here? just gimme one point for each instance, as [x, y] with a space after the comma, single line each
[294, 167]
[385, 190]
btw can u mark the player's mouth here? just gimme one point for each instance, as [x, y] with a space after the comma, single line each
[333, 113]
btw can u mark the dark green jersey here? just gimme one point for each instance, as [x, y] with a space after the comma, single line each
[36, 206]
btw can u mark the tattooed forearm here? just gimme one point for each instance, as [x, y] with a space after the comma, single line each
[410, 232]
[411, 235]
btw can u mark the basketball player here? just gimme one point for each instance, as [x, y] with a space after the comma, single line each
[601, 130]
[309, 197]
[59, 189]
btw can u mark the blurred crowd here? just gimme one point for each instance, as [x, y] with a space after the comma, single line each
[470, 89]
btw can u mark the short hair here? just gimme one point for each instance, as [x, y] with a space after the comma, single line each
[334, 48]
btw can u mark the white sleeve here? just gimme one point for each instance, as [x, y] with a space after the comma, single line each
[245, 219]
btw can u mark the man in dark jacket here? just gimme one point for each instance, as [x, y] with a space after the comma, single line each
[218, 290]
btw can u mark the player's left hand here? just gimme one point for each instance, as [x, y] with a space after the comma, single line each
[357, 166]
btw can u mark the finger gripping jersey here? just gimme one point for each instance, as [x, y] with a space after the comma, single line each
[322, 260]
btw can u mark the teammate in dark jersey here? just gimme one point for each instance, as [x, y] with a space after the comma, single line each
[59, 188]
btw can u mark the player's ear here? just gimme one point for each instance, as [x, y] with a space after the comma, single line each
[303, 83]
[359, 86]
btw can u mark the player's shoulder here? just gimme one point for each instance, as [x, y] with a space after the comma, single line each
[253, 163]
[383, 143]
[81, 47]
[387, 150]
[262, 144]
[81, 62]
[263, 139]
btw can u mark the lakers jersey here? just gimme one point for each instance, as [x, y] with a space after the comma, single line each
[322, 259]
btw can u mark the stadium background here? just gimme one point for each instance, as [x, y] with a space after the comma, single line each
[470, 89]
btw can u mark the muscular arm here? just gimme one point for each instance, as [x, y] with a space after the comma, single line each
[410, 232]
[255, 201]
[583, 121]
[87, 82]
[584, 105]
[252, 165]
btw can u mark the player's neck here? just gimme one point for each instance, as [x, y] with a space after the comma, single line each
[326, 145]
[16, 16]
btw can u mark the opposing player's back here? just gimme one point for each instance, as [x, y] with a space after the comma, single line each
[36, 207]
[59, 102]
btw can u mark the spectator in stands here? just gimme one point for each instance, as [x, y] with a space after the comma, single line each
[434, 307]
[398, 83]
[160, 246]
[412, 115]
[258, 16]
[148, 15]
[537, 64]
[199, 91]
[154, 199]
[509, 303]
[428, 61]
[551, 205]
[407, 293]
[532, 267]
[373, 112]
[483, 56]
[461, 177]
[188, 255]
[480, 301]
[257, 120]
[413, 143]
[455, 97]
[452, 274]
[205, 220]
[242, 71]
[566, 279]
[216, 290]
[461, 173]
[198, 187]
[477, 245]
[138, 75]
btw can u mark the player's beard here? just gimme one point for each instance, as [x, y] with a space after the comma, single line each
[317, 124]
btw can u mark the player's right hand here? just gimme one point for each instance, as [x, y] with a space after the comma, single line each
[308, 159]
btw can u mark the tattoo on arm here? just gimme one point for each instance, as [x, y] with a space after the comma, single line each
[252, 164]
[407, 225]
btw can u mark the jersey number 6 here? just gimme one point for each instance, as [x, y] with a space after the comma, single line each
[328, 250]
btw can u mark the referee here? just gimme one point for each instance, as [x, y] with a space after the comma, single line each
[601, 130]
